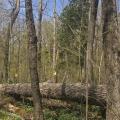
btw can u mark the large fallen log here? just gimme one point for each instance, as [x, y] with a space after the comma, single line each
[70, 92]
[52, 103]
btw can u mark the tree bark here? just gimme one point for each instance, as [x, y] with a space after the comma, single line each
[40, 38]
[91, 36]
[73, 92]
[51, 103]
[112, 58]
[54, 46]
[6, 57]
[37, 98]
[89, 58]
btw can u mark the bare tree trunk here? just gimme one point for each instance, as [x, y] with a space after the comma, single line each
[17, 76]
[112, 58]
[14, 15]
[91, 36]
[37, 98]
[89, 57]
[54, 46]
[40, 38]
[6, 57]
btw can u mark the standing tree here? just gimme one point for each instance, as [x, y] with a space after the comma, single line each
[91, 37]
[112, 58]
[89, 55]
[14, 15]
[54, 45]
[40, 12]
[37, 99]
[18, 56]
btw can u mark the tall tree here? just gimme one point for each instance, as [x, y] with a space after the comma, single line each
[37, 99]
[90, 41]
[112, 58]
[40, 14]
[91, 37]
[17, 75]
[14, 15]
[54, 45]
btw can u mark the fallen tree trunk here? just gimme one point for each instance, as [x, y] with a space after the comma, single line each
[52, 103]
[69, 92]
[47, 103]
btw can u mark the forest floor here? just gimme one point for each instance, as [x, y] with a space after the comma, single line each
[14, 110]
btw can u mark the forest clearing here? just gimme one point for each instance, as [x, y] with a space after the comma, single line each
[59, 60]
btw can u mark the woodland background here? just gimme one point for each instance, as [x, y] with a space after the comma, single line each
[77, 44]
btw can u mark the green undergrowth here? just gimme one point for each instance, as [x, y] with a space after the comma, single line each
[4, 115]
[54, 114]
